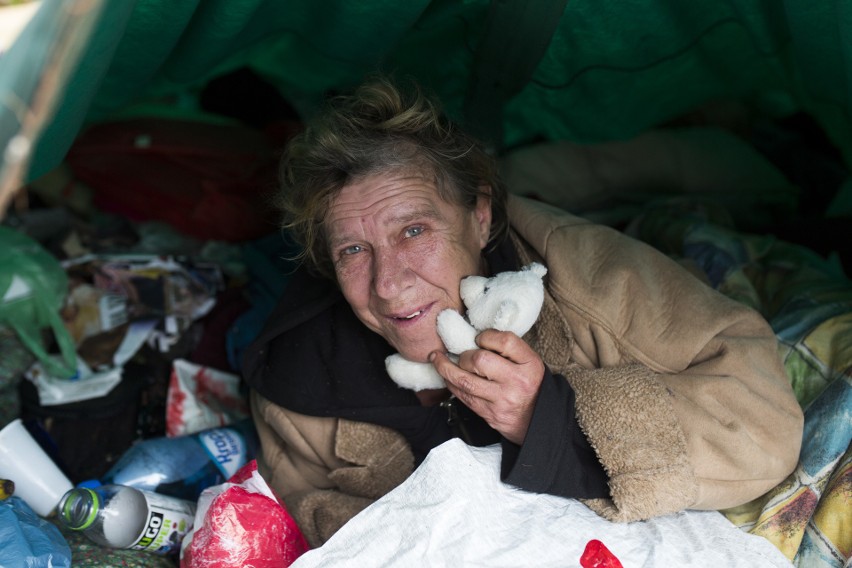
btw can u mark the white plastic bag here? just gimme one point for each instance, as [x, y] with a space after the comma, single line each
[201, 397]
[454, 511]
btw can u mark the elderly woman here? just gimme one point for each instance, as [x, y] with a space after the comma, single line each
[639, 390]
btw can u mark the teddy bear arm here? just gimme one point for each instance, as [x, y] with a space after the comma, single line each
[472, 288]
[413, 375]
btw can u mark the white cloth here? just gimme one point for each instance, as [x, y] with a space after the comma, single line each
[455, 511]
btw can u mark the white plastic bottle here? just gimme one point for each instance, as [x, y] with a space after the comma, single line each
[117, 516]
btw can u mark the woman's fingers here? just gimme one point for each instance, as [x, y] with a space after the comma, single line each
[499, 382]
[465, 384]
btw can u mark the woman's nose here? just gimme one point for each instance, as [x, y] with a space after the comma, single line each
[391, 274]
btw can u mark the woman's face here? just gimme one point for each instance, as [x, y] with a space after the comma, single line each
[399, 251]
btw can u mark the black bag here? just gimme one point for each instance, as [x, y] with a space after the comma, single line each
[84, 438]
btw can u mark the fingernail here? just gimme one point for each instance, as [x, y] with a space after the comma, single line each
[432, 356]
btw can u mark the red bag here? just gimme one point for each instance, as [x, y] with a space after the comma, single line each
[597, 555]
[242, 524]
[209, 181]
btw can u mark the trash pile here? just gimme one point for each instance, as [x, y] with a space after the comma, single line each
[123, 416]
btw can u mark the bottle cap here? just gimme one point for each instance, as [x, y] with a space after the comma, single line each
[79, 508]
[90, 483]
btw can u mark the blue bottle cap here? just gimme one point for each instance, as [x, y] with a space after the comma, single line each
[90, 483]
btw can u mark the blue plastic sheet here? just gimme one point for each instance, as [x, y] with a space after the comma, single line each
[27, 540]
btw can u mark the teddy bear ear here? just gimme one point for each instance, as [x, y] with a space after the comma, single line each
[537, 268]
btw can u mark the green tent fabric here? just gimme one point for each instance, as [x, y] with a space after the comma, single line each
[611, 69]
[585, 71]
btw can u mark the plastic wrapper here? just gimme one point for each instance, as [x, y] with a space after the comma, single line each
[597, 555]
[200, 398]
[242, 523]
[28, 540]
[89, 311]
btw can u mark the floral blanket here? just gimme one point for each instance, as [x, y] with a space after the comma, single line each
[808, 301]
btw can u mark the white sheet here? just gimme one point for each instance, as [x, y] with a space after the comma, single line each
[455, 511]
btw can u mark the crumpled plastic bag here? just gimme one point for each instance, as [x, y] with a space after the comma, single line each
[28, 540]
[33, 287]
[597, 555]
[242, 523]
[454, 510]
[201, 397]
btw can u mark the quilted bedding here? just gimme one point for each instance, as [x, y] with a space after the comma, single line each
[808, 301]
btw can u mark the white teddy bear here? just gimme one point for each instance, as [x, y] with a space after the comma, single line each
[509, 301]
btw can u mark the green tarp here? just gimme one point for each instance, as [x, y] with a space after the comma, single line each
[611, 69]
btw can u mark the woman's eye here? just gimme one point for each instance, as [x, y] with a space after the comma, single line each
[413, 231]
[354, 249]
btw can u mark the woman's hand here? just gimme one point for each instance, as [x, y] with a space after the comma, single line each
[500, 381]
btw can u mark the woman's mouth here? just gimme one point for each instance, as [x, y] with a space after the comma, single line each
[410, 317]
[412, 331]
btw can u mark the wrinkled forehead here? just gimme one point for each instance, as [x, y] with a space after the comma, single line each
[369, 192]
[385, 200]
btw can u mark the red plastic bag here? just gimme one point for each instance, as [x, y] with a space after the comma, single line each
[597, 555]
[241, 523]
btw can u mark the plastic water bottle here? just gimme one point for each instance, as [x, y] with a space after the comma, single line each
[123, 517]
[185, 465]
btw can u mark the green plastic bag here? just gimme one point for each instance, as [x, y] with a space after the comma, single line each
[33, 287]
